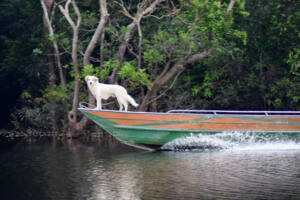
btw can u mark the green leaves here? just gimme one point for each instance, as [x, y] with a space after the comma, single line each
[25, 95]
[107, 67]
[100, 71]
[136, 77]
[60, 93]
[195, 90]
[294, 61]
[53, 38]
[90, 70]
[37, 51]
[153, 56]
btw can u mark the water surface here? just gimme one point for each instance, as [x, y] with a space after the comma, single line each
[83, 171]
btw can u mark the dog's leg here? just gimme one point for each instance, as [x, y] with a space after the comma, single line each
[99, 105]
[120, 105]
[125, 106]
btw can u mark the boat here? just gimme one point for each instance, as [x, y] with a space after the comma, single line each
[152, 130]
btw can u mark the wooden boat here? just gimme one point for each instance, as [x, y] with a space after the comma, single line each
[153, 129]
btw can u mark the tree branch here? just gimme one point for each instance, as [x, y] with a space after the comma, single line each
[55, 46]
[164, 92]
[142, 10]
[198, 56]
[77, 13]
[230, 6]
[125, 11]
[98, 32]
[65, 12]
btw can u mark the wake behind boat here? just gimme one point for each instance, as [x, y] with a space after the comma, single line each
[151, 130]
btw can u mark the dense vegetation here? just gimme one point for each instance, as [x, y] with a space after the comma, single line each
[191, 54]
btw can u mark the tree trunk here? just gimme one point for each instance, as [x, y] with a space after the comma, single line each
[102, 49]
[122, 51]
[97, 34]
[51, 68]
[52, 86]
[46, 5]
[72, 116]
[75, 127]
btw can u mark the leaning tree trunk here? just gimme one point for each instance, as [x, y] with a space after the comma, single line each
[166, 76]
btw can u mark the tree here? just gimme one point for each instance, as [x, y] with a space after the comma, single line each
[74, 126]
[46, 5]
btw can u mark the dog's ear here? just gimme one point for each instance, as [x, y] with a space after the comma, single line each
[95, 79]
[86, 78]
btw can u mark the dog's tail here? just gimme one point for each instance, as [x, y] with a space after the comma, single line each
[132, 101]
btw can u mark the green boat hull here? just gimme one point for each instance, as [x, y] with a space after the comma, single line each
[153, 130]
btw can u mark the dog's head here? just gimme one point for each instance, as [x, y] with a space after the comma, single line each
[91, 80]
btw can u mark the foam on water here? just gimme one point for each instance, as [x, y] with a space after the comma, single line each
[236, 141]
[270, 146]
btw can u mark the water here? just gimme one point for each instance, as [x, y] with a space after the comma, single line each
[236, 141]
[244, 167]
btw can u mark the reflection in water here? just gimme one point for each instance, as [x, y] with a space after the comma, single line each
[119, 181]
[95, 172]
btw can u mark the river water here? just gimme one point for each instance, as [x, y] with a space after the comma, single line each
[76, 170]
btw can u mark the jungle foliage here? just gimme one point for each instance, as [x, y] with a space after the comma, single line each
[191, 54]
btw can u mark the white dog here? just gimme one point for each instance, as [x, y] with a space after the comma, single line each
[104, 91]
